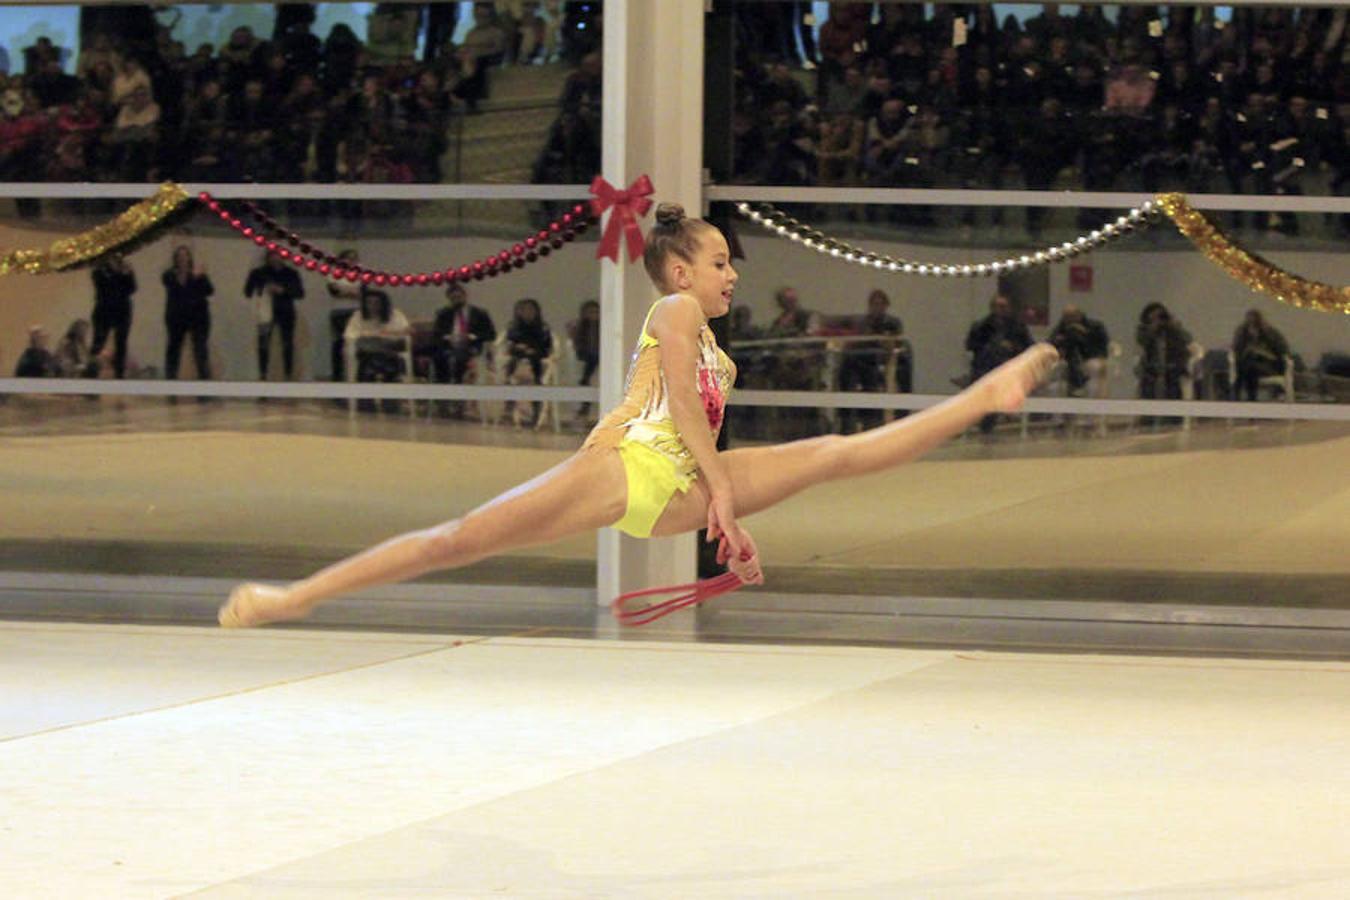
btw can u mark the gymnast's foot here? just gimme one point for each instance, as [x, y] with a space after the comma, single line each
[1007, 386]
[251, 605]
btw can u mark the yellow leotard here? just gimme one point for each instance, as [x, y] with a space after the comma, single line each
[655, 460]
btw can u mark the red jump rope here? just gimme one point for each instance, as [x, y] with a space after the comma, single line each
[685, 595]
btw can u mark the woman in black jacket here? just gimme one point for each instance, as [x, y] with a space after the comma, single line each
[187, 312]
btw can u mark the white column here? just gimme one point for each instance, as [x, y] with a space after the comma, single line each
[652, 125]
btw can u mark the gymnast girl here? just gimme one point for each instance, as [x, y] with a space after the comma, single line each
[651, 467]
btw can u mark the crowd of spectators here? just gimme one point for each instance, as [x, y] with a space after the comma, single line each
[290, 106]
[1150, 97]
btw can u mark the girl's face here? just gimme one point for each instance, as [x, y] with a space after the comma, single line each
[710, 278]
[526, 312]
[182, 258]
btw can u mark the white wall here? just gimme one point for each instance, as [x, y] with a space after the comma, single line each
[936, 312]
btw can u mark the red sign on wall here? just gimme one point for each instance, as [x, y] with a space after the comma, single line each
[1080, 279]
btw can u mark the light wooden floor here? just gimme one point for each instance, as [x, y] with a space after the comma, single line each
[168, 762]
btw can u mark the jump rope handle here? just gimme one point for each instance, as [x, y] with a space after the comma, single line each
[681, 596]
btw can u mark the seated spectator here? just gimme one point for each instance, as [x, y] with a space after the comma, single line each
[73, 356]
[994, 340]
[1259, 350]
[782, 86]
[426, 122]
[344, 302]
[789, 148]
[21, 129]
[484, 46]
[863, 366]
[377, 337]
[461, 331]
[584, 332]
[1164, 353]
[252, 118]
[528, 340]
[129, 77]
[839, 152]
[883, 151]
[135, 137]
[52, 86]
[582, 90]
[1083, 344]
[37, 361]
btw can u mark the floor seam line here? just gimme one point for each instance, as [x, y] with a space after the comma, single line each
[241, 691]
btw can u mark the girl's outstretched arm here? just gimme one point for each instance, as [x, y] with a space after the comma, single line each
[676, 325]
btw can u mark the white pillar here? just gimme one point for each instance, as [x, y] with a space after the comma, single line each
[652, 125]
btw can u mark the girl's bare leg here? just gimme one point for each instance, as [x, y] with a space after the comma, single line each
[764, 476]
[583, 493]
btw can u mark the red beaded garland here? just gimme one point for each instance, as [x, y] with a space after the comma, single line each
[367, 277]
[437, 277]
[518, 250]
[325, 268]
[531, 241]
[465, 273]
[259, 240]
[311, 264]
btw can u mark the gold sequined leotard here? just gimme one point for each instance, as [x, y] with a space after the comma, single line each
[656, 461]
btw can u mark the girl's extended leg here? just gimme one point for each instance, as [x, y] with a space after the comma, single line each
[583, 493]
[764, 476]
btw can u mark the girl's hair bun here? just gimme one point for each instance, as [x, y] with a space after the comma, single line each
[668, 214]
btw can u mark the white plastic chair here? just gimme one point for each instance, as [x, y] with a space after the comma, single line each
[404, 353]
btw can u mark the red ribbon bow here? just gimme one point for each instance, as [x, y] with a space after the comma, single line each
[629, 206]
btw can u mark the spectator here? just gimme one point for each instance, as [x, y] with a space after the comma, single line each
[128, 78]
[276, 286]
[583, 90]
[1259, 351]
[528, 340]
[839, 152]
[36, 361]
[584, 332]
[994, 340]
[790, 148]
[1083, 344]
[114, 285]
[378, 337]
[883, 156]
[251, 118]
[484, 46]
[426, 119]
[187, 312]
[73, 356]
[1164, 353]
[52, 86]
[461, 331]
[344, 302]
[135, 137]
[863, 367]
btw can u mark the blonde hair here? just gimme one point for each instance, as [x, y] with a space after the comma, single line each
[673, 233]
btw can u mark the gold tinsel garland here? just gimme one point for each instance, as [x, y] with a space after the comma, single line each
[1240, 264]
[1247, 267]
[89, 245]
